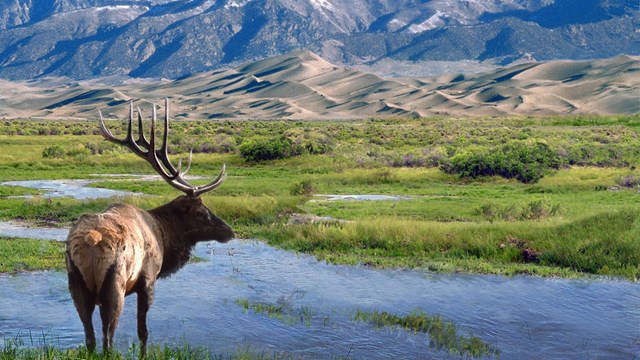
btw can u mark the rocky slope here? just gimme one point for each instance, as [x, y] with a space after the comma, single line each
[83, 39]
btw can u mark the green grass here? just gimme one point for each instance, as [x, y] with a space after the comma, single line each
[443, 335]
[25, 255]
[572, 222]
[282, 312]
[16, 349]
[8, 191]
[605, 244]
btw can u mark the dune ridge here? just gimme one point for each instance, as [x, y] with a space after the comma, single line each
[301, 85]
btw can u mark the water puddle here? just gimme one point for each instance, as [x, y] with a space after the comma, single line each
[364, 197]
[76, 189]
[523, 317]
[24, 230]
[79, 190]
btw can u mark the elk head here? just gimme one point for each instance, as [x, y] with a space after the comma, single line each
[188, 210]
[200, 222]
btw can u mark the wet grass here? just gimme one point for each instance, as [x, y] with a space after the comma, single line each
[591, 245]
[575, 221]
[443, 335]
[282, 312]
[26, 255]
[20, 350]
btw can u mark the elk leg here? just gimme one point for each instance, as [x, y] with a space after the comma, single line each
[84, 301]
[109, 313]
[86, 313]
[112, 300]
[145, 299]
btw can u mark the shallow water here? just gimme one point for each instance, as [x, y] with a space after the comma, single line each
[524, 317]
[23, 230]
[76, 189]
[365, 197]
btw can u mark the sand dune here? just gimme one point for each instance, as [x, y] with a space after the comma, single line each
[301, 85]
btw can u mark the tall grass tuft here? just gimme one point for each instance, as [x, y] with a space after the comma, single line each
[602, 244]
[442, 334]
[18, 350]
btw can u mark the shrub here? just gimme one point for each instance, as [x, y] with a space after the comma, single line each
[527, 162]
[263, 148]
[79, 152]
[533, 210]
[407, 160]
[628, 181]
[308, 141]
[53, 152]
[523, 161]
[435, 156]
[102, 147]
[316, 143]
[305, 187]
[224, 143]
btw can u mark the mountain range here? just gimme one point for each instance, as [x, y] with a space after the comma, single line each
[302, 85]
[85, 39]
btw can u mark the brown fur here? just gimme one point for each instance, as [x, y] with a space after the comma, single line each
[125, 249]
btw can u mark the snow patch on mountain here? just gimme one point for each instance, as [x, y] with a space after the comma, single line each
[236, 3]
[433, 22]
[322, 5]
[396, 24]
[329, 11]
[111, 14]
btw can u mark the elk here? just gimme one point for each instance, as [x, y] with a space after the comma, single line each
[125, 249]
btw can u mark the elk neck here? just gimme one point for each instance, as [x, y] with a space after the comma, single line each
[172, 236]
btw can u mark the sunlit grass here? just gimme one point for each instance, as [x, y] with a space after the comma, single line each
[575, 220]
[18, 349]
[26, 255]
[443, 335]
[603, 244]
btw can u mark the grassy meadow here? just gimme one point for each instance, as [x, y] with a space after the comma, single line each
[545, 196]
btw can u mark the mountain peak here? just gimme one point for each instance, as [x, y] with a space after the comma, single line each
[84, 39]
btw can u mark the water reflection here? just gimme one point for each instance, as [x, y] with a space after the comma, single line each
[76, 189]
[523, 317]
[24, 230]
[364, 197]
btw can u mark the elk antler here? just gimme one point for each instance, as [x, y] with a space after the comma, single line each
[159, 158]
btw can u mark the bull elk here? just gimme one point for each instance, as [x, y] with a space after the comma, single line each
[125, 249]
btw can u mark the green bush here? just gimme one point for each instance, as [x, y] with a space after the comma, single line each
[220, 144]
[102, 147]
[264, 148]
[79, 152]
[524, 161]
[533, 210]
[53, 152]
[305, 187]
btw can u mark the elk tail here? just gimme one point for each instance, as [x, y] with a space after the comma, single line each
[93, 237]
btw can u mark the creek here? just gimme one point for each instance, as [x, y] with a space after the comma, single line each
[523, 317]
